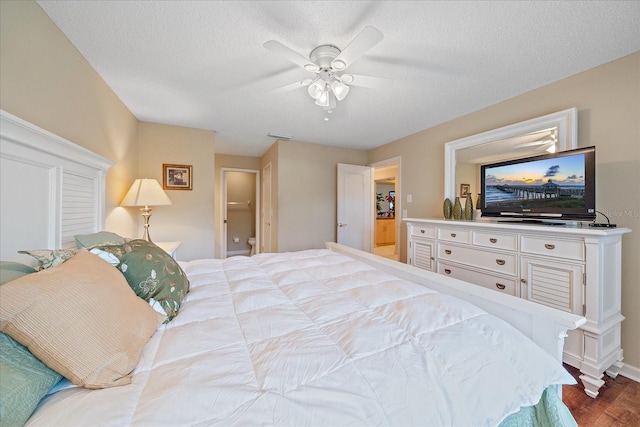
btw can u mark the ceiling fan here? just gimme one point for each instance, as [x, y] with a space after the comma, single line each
[546, 142]
[329, 63]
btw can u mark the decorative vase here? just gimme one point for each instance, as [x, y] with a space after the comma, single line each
[477, 211]
[468, 208]
[457, 209]
[447, 208]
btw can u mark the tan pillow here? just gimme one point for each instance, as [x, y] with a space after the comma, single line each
[81, 319]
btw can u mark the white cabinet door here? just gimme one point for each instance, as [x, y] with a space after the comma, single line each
[554, 284]
[422, 254]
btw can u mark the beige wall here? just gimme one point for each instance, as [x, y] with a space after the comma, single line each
[190, 219]
[608, 103]
[307, 175]
[467, 173]
[45, 81]
[228, 162]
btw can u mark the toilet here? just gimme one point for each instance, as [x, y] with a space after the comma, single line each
[252, 243]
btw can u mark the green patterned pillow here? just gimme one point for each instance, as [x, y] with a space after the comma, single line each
[151, 273]
[99, 238]
[24, 380]
[48, 258]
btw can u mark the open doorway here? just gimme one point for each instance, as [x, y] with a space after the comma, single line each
[387, 212]
[241, 225]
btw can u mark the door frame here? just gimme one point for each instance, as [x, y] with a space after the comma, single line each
[267, 204]
[257, 201]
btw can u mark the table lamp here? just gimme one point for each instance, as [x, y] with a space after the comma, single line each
[147, 193]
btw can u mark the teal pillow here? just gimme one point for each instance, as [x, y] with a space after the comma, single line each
[151, 272]
[99, 238]
[10, 270]
[24, 381]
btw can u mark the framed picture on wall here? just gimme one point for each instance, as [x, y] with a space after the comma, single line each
[464, 190]
[177, 177]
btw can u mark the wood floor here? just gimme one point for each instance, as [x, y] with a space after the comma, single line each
[618, 403]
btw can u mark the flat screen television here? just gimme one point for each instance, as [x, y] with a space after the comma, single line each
[556, 186]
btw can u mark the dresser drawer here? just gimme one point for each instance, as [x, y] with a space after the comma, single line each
[498, 262]
[423, 231]
[550, 246]
[489, 281]
[454, 235]
[496, 240]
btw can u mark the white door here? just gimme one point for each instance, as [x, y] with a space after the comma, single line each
[355, 206]
[267, 212]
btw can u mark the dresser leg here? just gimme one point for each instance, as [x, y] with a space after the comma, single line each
[591, 384]
[614, 370]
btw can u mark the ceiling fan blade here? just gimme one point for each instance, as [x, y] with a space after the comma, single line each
[293, 56]
[367, 81]
[531, 144]
[364, 41]
[292, 86]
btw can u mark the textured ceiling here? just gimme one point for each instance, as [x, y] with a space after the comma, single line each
[202, 64]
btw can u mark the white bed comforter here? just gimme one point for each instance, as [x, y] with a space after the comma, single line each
[316, 338]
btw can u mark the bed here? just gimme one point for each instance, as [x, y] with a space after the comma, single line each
[330, 336]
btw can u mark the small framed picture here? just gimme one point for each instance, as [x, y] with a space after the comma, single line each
[464, 190]
[177, 177]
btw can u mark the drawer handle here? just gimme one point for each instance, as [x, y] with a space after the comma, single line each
[446, 270]
[500, 261]
[447, 251]
[453, 234]
[500, 286]
[549, 246]
[523, 281]
[493, 240]
[422, 231]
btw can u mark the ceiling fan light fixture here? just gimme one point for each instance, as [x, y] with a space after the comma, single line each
[323, 99]
[332, 102]
[346, 78]
[312, 67]
[316, 89]
[340, 90]
[339, 65]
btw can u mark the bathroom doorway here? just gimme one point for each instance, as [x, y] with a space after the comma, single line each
[241, 224]
[386, 176]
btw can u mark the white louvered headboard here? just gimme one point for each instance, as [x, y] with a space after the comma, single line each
[50, 189]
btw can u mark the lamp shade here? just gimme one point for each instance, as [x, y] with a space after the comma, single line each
[316, 89]
[323, 99]
[339, 89]
[145, 192]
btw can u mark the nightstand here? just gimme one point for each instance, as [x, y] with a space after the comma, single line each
[169, 247]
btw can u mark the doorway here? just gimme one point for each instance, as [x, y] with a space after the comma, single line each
[386, 175]
[241, 224]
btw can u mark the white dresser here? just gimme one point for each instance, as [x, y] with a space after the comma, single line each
[575, 269]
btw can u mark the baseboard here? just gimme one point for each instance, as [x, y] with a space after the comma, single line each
[631, 372]
[243, 252]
